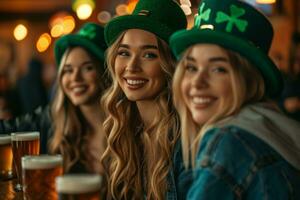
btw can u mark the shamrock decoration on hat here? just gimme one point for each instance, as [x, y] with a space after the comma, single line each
[90, 37]
[234, 25]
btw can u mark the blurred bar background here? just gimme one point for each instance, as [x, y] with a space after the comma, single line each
[29, 28]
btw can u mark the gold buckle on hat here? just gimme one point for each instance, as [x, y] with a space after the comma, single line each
[207, 26]
[144, 12]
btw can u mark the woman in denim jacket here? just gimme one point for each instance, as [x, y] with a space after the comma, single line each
[237, 142]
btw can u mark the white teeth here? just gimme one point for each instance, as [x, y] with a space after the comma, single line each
[201, 100]
[78, 89]
[135, 82]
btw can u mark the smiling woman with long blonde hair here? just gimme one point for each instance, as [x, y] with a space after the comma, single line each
[142, 125]
[238, 143]
[72, 124]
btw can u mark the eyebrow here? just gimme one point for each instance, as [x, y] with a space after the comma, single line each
[84, 63]
[189, 58]
[147, 46]
[213, 59]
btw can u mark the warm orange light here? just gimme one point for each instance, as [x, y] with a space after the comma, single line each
[265, 1]
[83, 8]
[121, 9]
[131, 5]
[68, 24]
[57, 30]
[84, 11]
[57, 18]
[61, 23]
[43, 42]
[20, 32]
[103, 17]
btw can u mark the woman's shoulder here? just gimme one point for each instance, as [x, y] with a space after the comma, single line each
[234, 151]
[244, 163]
[234, 134]
[234, 142]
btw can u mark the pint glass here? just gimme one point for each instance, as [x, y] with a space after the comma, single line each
[24, 143]
[79, 187]
[39, 173]
[6, 157]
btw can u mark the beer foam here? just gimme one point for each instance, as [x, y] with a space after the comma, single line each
[5, 139]
[78, 183]
[41, 161]
[25, 136]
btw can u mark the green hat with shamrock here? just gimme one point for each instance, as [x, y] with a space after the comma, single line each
[161, 17]
[90, 36]
[237, 26]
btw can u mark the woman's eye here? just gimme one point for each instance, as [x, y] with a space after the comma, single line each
[190, 68]
[89, 68]
[150, 55]
[67, 70]
[123, 53]
[219, 69]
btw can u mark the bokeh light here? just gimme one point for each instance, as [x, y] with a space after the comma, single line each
[103, 17]
[20, 32]
[84, 11]
[43, 42]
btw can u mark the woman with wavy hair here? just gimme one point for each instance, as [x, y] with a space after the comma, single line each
[142, 124]
[72, 124]
[238, 143]
[76, 111]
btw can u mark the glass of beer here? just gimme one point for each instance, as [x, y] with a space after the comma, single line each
[38, 174]
[6, 158]
[79, 186]
[23, 143]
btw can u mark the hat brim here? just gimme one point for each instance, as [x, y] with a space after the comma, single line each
[76, 40]
[119, 24]
[181, 40]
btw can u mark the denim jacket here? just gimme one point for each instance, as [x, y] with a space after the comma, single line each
[234, 163]
[179, 178]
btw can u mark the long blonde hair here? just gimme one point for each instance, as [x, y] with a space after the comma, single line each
[132, 151]
[71, 130]
[247, 87]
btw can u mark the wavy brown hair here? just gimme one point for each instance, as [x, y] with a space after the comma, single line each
[247, 87]
[139, 158]
[71, 130]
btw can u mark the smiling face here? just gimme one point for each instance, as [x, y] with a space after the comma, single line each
[206, 82]
[80, 78]
[138, 66]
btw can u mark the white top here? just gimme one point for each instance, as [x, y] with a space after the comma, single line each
[276, 129]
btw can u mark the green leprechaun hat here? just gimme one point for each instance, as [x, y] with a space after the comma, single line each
[234, 25]
[161, 17]
[90, 36]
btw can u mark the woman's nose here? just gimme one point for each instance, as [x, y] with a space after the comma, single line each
[200, 80]
[76, 75]
[133, 64]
